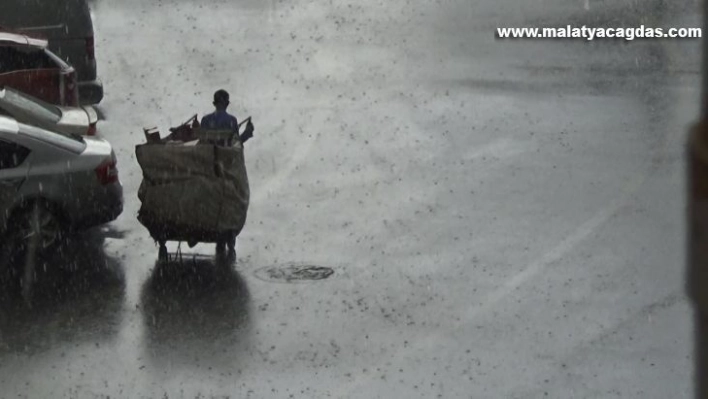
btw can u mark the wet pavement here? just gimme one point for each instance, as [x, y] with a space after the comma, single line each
[497, 219]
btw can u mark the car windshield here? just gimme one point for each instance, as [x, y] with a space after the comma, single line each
[72, 142]
[13, 100]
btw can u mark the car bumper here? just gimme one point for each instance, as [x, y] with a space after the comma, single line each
[106, 205]
[90, 92]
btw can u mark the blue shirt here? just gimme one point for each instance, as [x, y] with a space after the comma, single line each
[219, 120]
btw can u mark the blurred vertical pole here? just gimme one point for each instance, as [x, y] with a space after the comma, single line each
[697, 273]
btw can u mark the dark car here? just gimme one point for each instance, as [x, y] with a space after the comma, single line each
[68, 27]
[27, 65]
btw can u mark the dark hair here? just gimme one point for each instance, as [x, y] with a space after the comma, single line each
[221, 97]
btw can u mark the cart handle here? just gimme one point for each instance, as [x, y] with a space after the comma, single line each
[193, 118]
[243, 121]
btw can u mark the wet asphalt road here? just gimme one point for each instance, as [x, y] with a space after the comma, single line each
[503, 218]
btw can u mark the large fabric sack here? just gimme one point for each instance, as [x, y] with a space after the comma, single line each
[201, 187]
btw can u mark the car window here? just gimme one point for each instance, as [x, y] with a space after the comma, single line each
[74, 143]
[12, 155]
[17, 58]
[30, 105]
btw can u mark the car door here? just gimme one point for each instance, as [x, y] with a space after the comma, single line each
[13, 171]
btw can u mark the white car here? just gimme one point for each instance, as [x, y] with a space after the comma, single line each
[51, 182]
[33, 111]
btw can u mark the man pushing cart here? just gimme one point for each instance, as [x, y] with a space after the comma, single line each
[195, 186]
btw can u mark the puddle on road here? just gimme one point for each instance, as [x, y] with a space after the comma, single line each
[293, 273]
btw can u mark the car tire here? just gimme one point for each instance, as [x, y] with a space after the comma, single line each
[39, 226]
[10, 268]
[33, 230]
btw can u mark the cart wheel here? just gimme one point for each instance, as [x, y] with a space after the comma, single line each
[162, 253]
[231, 243]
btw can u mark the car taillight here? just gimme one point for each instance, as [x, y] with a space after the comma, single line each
[70, 81]
[90, 49]
[71, 91]
[107, 171]
[91, 130]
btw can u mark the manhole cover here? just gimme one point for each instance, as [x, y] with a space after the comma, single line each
[294, 273]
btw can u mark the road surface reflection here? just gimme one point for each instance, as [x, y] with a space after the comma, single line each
[77, 297]
[195, 310]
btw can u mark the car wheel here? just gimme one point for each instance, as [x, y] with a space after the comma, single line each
[35, 230]
[39, 228]
[10, 267]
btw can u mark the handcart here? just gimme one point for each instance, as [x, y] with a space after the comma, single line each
[195, 186]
